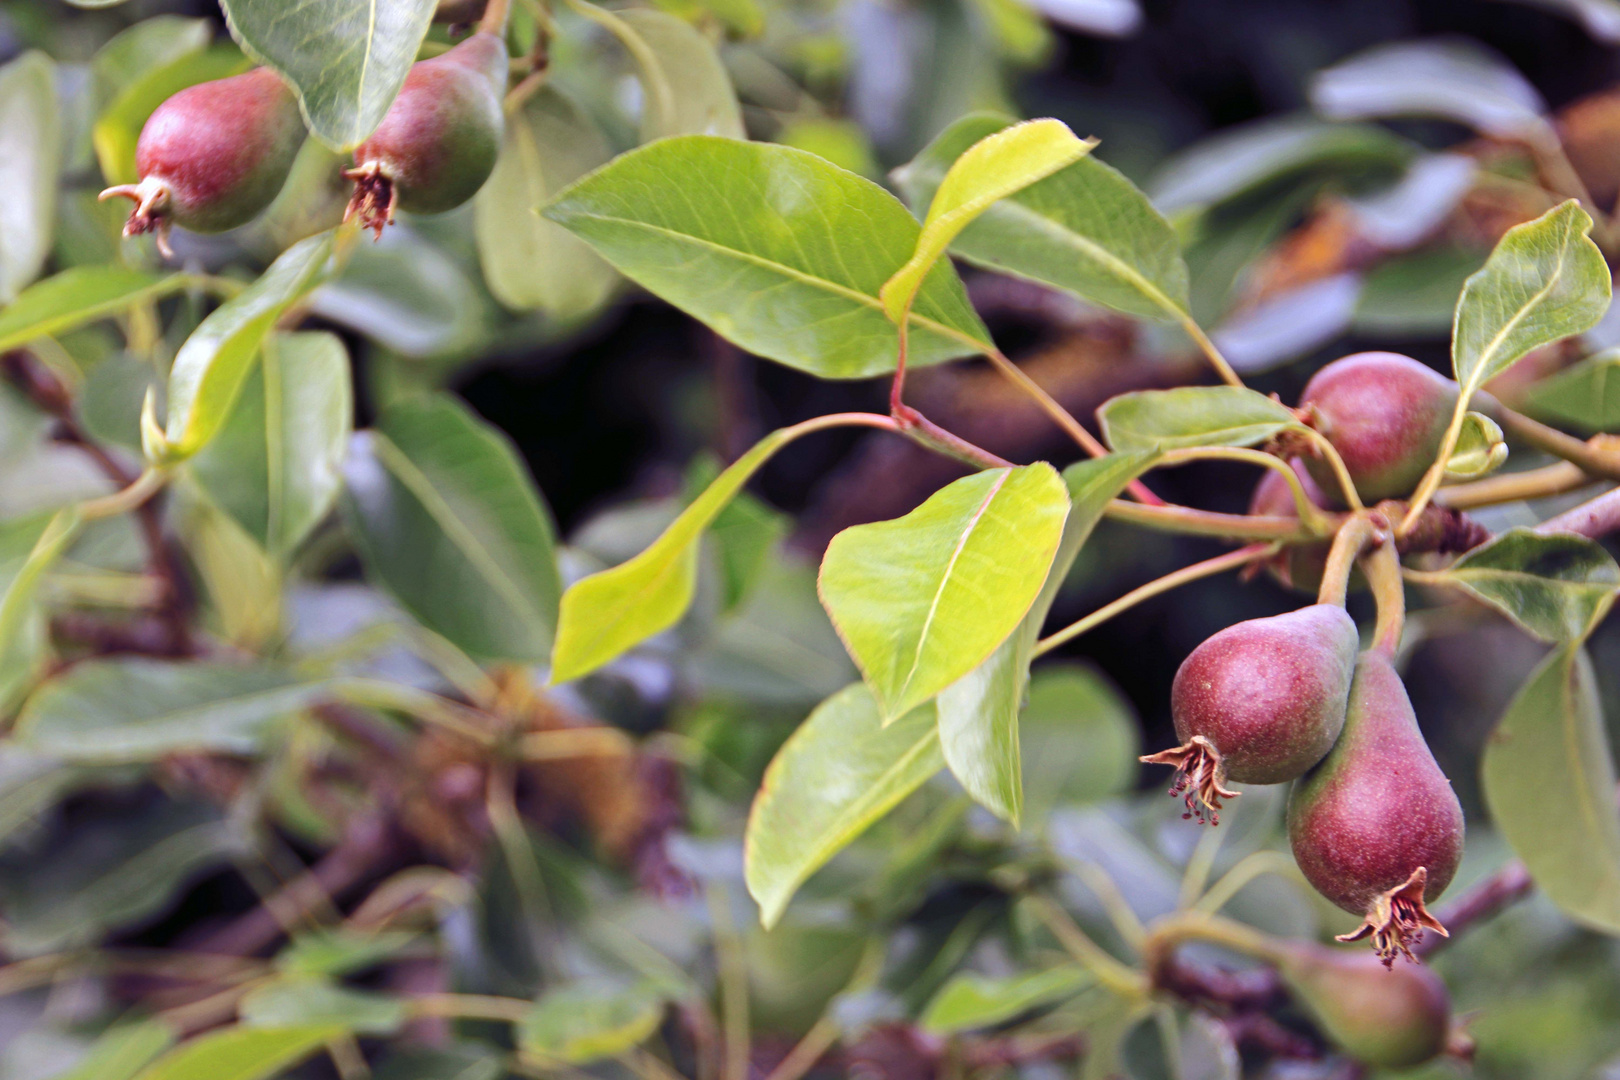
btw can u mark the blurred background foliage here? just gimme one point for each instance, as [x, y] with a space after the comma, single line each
[616, 884]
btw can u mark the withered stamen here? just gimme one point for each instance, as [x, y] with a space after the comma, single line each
[1200, 777]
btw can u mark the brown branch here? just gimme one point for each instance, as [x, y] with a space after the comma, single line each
[1594, 518]
[1483, 901]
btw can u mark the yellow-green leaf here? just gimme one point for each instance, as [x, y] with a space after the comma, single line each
[242, 1053]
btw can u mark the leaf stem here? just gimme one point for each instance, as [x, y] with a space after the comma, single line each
[1515, 487]
[1310, 515]
[1172, 930]
[1251, 866]
[804, 1055]
[1190, 522]
[1221, 563]
[1437, 471]
[131, 498]
[1122, 980]
[1595, 457]
[495, 18]
[1341, 472]
[1383, 569]
[1207, 347]
[1347, 547]
[471, 1007]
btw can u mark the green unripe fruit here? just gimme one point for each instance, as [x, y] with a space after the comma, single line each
[1386, 1018]
[440, 139]
[1376, 827]
[1386, 415]
[214, 155]
[1259, 703]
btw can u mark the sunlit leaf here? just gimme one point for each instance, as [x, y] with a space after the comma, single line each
[1193, 416]
[791, 271]
[242, 1053]
[1556, 587]
[1550, 784]
[996, 166]
[585, 1022]
[346, 59]
[1546, 280]
[841, 771]
[77, 296]
[1085, 228]
[30, 162]
[922, 600]
[121, 1051]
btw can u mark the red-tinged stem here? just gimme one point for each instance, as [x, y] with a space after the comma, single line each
[1592, 519]
[1347, 547]
[1383, 569]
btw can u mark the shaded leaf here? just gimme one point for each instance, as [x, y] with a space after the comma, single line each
[1585, 396]
[1556, 587]
[340, 951]
[276, 463]
[1546, 280]
[991, 169]
[1414, 295]
[28, 547]
[791, 272]
[1192, 416]
[77, 296]
[975, 1001]
[530, 262]
[447, 519]
[211, 366]
[121, 1051]
[466, 1061]
[346, 59]
[300, 1001]
[1082, 738]
[242, 1053]
[1448, 79]
[1549, 782]
[922, 600]
[139, 709]
[840, 772]
[1085, 228]
[685, 88]
[585, 1022]
[30, 163]
[1480, 448]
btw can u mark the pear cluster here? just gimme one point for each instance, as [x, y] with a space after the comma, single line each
[213, 156]
[1373, 822]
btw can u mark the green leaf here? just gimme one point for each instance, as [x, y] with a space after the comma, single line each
[346, 59]
[1556, 587]
[922, 600]
[993, 168]
[840, 772]
[978, 713]
[149, 44]
[610, 612]
[138, 709]
[446, 518]
[1546, 280]
[28, 548]
[1193, 416]
[304, 1000]
[1586, 396]
[242, 1053]
[1450, 80]
[531, 263]
[585, 1022]
[685, 88]
[212, 365]
[790, 270]
[1415, 295]
[1549, 782]
[1085, 228]
[276, 463]
[121, 1051]
[340, 951]
[77, 296]
[976, 1001]
[30, 163]
[1082, 739]
[118, 129]
[1480, 448]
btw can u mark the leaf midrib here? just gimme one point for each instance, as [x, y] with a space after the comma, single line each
[1097, 253]
[1475, 378]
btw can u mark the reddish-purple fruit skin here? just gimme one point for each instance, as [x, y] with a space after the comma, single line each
[439, 141]
[1386, 415]
[223, 148]
[1269, 693]
[1378, 806]
[1299, 566]
[1392, 1018]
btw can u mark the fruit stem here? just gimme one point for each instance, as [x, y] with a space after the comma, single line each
[1515, 487]
[1190, 522]
[133, 497]
[1122, 980]
[1208, 348]
[1595, 457]
[1230, 561]
[1383, 569]
[1437, 471]
[1310, 515]
[1341, 472]
[495, 17]
[1348, 545]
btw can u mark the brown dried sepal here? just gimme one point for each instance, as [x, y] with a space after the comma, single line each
[1200, 777]
[373, 199]
[1396, 919]
[151, 213]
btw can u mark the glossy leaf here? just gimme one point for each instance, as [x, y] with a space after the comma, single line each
[790, 272]
[1480, 449]
[685, 88]
[924, 599]
[976, 1001]
[30, 163]
[531, 263]
[1085, 228]
[1546, 280]
[447, 519]
[840, 772]
[303, 1000]
[138, 709]
[1192, 416]
[993, 168]
[77, 296]
[979, 713]
[1556, 587]
[1450, 80]
[586, 1022]
[276, 463]
[212, 365]
[121, 1051]
[1585, 396]
[1549, 782]
[118, 128]
[608, 613]
[346, 59]
[242, 1053]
